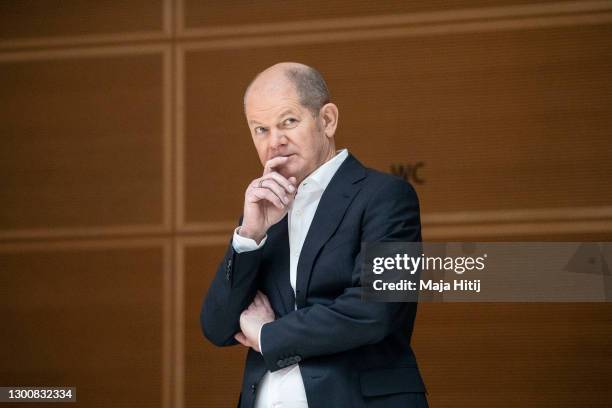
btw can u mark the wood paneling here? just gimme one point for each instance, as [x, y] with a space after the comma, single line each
[507, 104]
[44, 19]
[515, 355]
[82, 140]
[202, 14]
[89, 317]
[502, 120]
[212, 375]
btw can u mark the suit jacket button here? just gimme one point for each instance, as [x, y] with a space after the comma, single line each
[253, 388]
[280, 363]
[298, 359]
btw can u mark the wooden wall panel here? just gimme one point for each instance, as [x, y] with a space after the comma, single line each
[501, 120]
[506, 103]
[89, 317]
[219, 157]
[515, 355]
[212, 375]
[82, 140]
[203, 14]
[41, 18]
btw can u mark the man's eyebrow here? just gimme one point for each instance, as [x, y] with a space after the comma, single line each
[283, 113]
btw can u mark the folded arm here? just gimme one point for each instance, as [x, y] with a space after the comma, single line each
[231, 291]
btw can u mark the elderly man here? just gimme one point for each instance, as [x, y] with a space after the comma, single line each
[289, 285]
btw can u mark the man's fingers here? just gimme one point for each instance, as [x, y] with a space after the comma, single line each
[266, 302]
[272, 163]
[276, 188]
[287, 184]
[241, 338]
[257, 301]
[259, 194]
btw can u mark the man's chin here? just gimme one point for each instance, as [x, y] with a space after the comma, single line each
[289, 170]
[286, 173]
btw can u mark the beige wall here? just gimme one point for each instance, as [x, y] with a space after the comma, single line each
[124, 156]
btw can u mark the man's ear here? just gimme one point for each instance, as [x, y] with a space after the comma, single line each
[329, 114]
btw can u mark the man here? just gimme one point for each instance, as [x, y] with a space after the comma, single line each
[289, 285]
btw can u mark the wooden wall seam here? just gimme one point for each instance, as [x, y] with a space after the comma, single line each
[433, 18]
[563, 13]
[165, 33]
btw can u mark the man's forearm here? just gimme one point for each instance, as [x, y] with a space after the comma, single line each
[232, 289]
[319, 330]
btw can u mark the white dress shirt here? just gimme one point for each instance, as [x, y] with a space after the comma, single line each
[284, 388]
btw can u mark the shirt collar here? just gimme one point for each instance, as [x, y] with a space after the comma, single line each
[320, 178]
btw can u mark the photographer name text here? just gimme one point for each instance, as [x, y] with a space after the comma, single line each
[457, 285]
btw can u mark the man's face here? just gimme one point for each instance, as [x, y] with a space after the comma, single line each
[281, 126]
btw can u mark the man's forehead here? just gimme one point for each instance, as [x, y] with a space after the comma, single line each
[273, 87]
[255, 115]
[272, 101]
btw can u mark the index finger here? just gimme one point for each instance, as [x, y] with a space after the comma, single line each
[257, 300]
[265, 301]
[274, 162]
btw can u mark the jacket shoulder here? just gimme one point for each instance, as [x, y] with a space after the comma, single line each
[377, 182]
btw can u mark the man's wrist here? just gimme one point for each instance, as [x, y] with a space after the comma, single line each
[254, 235]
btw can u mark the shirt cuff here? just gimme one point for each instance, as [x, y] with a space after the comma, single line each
[244, 244]
[259, 340]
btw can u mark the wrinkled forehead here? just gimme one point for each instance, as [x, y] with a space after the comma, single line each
[271, 98]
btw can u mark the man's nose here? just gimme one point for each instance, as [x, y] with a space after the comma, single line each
[278, 139]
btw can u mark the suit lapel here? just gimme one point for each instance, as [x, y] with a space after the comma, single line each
[279, 233]
[335, 200]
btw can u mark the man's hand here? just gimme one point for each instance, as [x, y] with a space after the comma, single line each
[252, 318]
[267, 200]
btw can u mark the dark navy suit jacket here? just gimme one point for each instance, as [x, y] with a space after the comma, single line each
[351, 353]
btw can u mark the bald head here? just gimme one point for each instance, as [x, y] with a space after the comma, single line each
[307, 82]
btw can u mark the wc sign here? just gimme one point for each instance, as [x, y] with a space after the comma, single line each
[411, 172]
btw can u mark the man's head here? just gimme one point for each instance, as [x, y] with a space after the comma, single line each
[289, 114]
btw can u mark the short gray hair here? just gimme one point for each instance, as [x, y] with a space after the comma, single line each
[310, 87]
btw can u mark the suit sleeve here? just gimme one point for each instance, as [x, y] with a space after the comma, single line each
[231, 291]
[391, 215]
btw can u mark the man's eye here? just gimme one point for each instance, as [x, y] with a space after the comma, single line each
[259, 130]
[289, 121]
